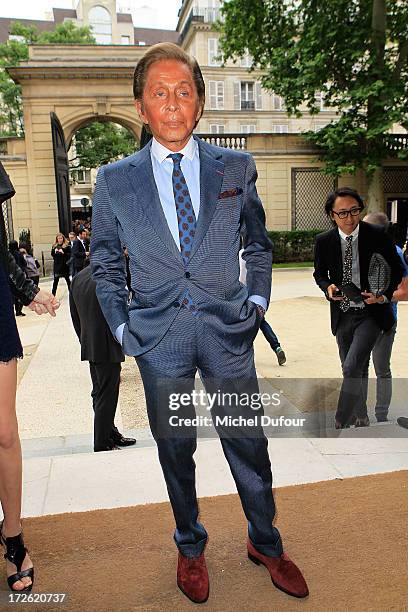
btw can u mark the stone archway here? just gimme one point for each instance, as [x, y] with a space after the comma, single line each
[80, 84]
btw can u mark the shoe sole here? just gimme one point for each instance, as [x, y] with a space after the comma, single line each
[197, 601]
[259, 562]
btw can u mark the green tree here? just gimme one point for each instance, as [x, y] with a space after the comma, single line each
[13, 52]
[100, 143]
[353, 51]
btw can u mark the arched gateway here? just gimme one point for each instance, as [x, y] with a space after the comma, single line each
[76, 84]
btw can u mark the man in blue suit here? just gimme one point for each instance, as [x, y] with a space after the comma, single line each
[181, 206]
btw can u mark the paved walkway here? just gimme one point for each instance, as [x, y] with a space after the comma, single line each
[61, 473]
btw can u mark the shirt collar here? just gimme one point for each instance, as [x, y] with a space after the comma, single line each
[353, 233]
[160, 152]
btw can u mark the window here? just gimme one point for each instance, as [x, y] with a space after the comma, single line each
[125, 40]
[83, 176]
[141, 43]
[217, 128]
[247, 95]
[101, 24]
[280, 128]
[216, 89]
[319, 97]
[213, 52]
[246, 61]
[248, 128]
[277, 103]
[16, 37]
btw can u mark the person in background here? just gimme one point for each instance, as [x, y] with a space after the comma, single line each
[20, 261]
[382, 350]
[61, 254]
[80, 250]
[265, 328]
[104, 355]
[32, 266]
[342, 257]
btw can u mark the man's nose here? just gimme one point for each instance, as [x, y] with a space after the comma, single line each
[173, 103]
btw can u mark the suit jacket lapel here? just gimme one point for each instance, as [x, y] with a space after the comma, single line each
[141, 177]
[338, 258]
[211, 177]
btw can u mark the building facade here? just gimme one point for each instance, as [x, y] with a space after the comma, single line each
[84, 83]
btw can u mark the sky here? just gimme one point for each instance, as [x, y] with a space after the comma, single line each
[146, 13]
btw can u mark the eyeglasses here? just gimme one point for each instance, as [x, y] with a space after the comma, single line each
[343, 214]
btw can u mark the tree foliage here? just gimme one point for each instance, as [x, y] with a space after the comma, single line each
[353, 51]
[101, 143]
[13, 52]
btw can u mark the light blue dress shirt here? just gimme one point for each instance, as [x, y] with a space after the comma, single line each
[163, 173]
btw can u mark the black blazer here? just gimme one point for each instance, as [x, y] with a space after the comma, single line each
[78, 255]
[328, 265]
[97, 342]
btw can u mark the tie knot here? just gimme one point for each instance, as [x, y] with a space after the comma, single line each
[176, 157]
[349, 239]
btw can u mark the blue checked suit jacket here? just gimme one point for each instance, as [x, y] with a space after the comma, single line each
[127, 212]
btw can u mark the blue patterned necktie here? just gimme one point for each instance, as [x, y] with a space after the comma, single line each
[347, 271]
[185, 216]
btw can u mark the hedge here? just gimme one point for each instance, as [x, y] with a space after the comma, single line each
[292, 246]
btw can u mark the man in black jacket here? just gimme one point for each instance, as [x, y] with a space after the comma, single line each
[342, 256]
[104, 355]
[79, 252]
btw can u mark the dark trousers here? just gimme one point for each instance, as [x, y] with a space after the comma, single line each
[382, 364]
[170, 367]
[105, 393]
[56, 281]
[269, 334]
[356, 336]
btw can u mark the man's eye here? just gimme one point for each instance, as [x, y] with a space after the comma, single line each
[160, 94]
[184, 92]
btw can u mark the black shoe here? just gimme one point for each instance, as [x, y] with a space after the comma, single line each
[364, 422]
[20, 314]
[120, 440]
[108, 447]
[280, 354]
[16, 553]
[403, 422]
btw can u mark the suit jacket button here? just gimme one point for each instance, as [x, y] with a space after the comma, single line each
[176, 304]
[187, 275]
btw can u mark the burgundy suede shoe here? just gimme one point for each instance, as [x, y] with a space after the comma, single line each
[192, 578]
[285, 575]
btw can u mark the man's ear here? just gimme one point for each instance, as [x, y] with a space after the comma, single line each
[140, 110]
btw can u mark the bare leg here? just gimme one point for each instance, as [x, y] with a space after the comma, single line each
[10, 463]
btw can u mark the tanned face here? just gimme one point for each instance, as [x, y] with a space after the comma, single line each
[170, 104]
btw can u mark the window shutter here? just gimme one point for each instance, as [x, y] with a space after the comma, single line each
[258, 96]
[213, 94]
[220, 95]
[237, 95]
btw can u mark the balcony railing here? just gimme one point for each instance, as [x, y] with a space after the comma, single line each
[247, 104]
[201, 15]
[228, 141]
[396, 142]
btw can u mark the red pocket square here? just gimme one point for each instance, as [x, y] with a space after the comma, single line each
[230, 193]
